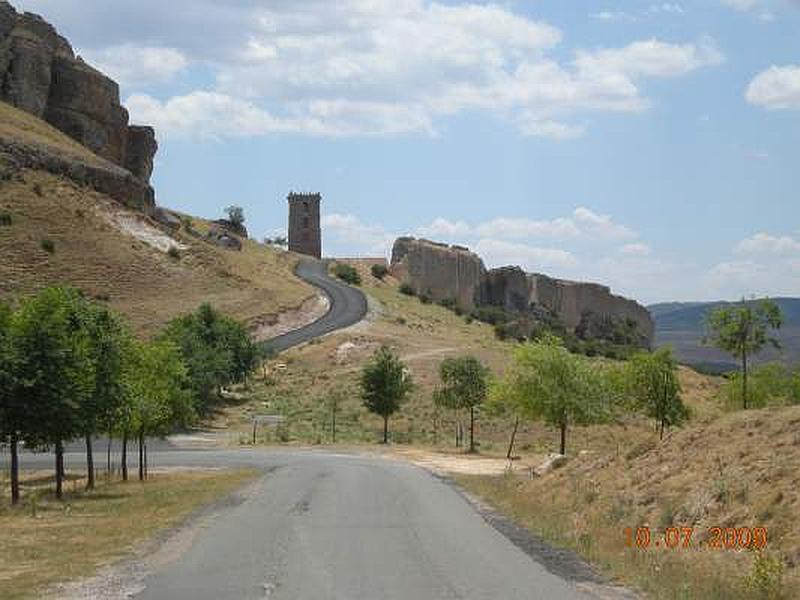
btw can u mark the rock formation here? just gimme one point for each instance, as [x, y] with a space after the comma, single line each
[443, 272]
[40, 74]
[438, 270]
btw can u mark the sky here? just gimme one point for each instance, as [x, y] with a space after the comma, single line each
[649, 146]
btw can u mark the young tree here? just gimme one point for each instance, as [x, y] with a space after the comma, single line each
[546, 382]
[743, 330]
[108, 340]
[12, 416]
[54, 369]
[235, 216]
[385, 385]
[464, 385]
[655, 388]
[156, 384]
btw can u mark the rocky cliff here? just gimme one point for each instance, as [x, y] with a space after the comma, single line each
[438, 270]
[40, 74]
[444, 271]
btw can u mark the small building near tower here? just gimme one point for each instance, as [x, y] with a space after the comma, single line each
[305, 234]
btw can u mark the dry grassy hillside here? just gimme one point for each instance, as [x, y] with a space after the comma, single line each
[117, 254]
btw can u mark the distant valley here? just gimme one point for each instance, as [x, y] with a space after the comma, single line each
[682, 326]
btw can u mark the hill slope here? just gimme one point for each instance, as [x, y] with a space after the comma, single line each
[681, 325]
[113, 252]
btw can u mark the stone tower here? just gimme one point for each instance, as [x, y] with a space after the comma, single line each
[305, 236]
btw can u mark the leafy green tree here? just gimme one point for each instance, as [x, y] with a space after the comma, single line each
[347, 273]
[216, 350]
[157, 388]
[54, 369]
[464, 386]
[385, 385]
[108, 341]
[547, 382]
[235, 216]
[12, 412]
[770, 384]
[743, 330]
[379, 271]
[655, 388]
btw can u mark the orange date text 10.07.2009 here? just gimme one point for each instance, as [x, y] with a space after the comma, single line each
[717, 538]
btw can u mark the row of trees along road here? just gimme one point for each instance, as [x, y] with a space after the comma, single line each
[544, 382]
[71, 368]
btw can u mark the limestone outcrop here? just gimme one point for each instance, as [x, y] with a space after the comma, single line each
[40, 74]
[443, 272]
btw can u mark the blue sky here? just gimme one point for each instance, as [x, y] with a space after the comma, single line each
[651, 146]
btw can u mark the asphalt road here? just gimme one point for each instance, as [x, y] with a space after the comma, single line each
[348, 306]
[329, 526]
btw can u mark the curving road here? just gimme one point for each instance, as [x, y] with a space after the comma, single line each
[348, 306]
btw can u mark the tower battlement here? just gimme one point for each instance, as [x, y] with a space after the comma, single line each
[305, 235]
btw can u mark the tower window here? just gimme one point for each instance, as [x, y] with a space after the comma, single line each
[306, 207]
[305, 223]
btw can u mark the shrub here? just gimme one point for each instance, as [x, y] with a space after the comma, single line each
[5, 219]
[765, 580]
[407, 289]
[379, 271]
[448, 303]
[173, 252]
[425, 298]
[347, 273]
[48, 246]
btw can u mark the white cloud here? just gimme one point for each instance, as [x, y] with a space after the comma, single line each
[767, 244]
[637, 249]
[348, 235]
[132, 66]
[520, 228]
[601, 226]
[380, 67]
[444, 229]
[776, 88]
[650, 58]
[213, 115]
[531, 258]
[741, 5]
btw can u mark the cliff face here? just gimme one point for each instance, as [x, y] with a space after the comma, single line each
[40, 74]
[453, 272]
[441, 271]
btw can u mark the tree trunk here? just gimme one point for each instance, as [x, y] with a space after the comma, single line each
[59, 470]
[14, 468]
[89, 463]
[472, 429]
[385, 430]
[744, 379]
[564, 439]
[145, 458]
[124, 458]
[661, 435]
[141, 455]
[108, 454]
[513, 437]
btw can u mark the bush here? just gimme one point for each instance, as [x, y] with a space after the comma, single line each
[379, 271]
[425, 298]
[449, 303]
[407, 289]
[347, 273]
[766, 577]
[173, 252]
[48, 246]
[5, 219]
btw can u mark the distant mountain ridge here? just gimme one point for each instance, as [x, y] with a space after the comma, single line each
[682, 326]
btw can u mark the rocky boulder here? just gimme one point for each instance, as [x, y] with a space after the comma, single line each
[223, 237]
